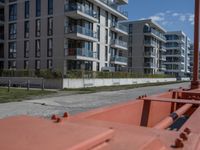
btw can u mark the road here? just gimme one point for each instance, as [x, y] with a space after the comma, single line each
[78, 103]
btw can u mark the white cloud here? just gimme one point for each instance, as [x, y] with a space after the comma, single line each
[175, 14]
[182, 18]
[157, 18]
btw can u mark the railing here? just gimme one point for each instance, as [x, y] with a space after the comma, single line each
[81, 30]
[120, 43]
[149, 64]
[80, 7]
[153, 31]
[162, 57]
[150, 54]
[150, 42]
[119, 59]
[119, 26]
[81, 52]
[112, 4]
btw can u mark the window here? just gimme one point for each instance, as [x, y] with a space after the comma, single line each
[50, 26]
[37, 48]
[49, 47]
[12, 50]
[26, 9]
[38, 8]
[130, 28]
[99, 14]
[98, 33]
[13, 12]
[26, 29]
[37, 27]
[12, 65]
[49, 64]
[98, 51]
[50, 7]
[107, 19]
[37, 64]
[26, 64]
[106, 53]
[26, 49]
[12, 31]
[106, 36]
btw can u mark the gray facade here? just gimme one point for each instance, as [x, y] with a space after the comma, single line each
[62, 35]
[146, 47]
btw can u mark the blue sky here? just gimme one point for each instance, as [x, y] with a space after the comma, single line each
[170, 14]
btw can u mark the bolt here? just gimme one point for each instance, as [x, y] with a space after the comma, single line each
[179, 143]
[58, 120]
[187, 131]
[53, 117]
[65, 115]
[183, 136]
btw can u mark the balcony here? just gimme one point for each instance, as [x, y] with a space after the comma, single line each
[110, 6]
[162, 57]
[150, 43]
[163, 48]
[149, 54]
[2, 3]
[163, 67]
[79, 11]
[119, 60]
[119, 44]
[156, 34]
[77, 32]
[149, 65]
[80, 54]
[121, 29]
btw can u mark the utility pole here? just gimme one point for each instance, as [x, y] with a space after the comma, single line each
[195, 82]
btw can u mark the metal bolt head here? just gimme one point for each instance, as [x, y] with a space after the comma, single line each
[65, 115]
[53, 117]
[179, 143]
[187, 131]
[184, 136]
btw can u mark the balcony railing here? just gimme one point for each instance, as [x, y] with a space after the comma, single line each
[148, 54]
[119, 26]
[112, 4]
[153, 31]
[119, 59]
[150, 42]
[149, 65]
[119, 43]
[80, 30]
[81, 52]
[80, 7]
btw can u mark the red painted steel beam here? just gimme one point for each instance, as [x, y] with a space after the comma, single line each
[165, 123]
[195, 82]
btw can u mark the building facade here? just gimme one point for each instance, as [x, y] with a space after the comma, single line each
[146, 47]
[62, 35]
[177, 55]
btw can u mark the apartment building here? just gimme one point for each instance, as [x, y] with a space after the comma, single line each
[177, 55]
[62, 35]
[146, 47]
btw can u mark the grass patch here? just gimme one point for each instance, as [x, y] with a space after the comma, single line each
[16, 95]
[118, 87]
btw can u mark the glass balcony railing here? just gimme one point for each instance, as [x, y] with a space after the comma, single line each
[119, 59]
[155, 32]
[119, 26]
[119, 43]
[80, 7]
[112, 4]
[80, 30]
[149, 65]
[150, 54]
[81, 52]
[150, 42]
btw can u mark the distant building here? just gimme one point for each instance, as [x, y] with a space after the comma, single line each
[146, 47]
[62, 35]
[177, 55]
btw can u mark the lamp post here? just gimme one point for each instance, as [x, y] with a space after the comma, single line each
[195, 82]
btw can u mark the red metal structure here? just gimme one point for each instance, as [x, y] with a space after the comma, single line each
[166, 121]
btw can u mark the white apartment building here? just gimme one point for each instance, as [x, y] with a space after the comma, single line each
[177, 55]
[62, 35]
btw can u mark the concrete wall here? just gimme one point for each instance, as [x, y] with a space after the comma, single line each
[81, 83]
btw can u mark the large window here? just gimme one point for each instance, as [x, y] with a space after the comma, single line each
[37, 27]
[49, 64]
[12, 31]
[50, 7]
[26, 49]
[37, 48]
[26, 29]
[37, 64]
[50, 26]
[26, 64]
[38, 8]
[12, 64]
[13, 12]
[12, 50]
[50, 47]
[26, 9]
